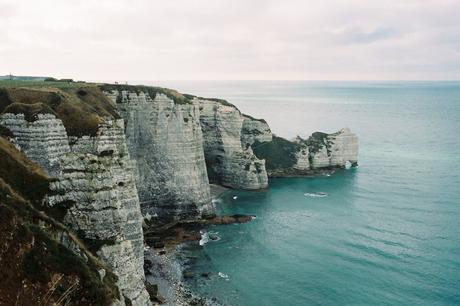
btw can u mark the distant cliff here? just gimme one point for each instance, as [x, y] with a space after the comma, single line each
[309, 156]
[228, 136]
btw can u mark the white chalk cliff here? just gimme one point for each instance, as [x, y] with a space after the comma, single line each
[228, 136]
[165, 139]
[95, 187]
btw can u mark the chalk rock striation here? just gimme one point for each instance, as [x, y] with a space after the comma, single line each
[165, 138]
[44, 140]
[228, 136]
[333, 150]
[255, 130]
[95, 190]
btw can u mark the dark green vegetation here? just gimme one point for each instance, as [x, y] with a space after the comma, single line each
[80, 106]
[278, 153]
[152, 91]
[221, 101]
[316, 141]
[35, 268]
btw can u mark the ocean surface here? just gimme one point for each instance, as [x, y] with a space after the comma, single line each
[385, 233]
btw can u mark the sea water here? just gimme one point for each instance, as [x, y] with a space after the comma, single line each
[385, 233]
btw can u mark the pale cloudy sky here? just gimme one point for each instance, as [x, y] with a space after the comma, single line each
[231, 39]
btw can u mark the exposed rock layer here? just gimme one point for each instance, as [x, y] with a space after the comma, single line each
[228, 136]
[96, 188]
[44, 141]
[309, 156]
[165, 139]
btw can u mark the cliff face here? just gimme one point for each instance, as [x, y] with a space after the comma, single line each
[95, 191]
[165, 139]
[308, 156]
[228, 136]
[333, 150]
[255, 130]
[41, 262]
[43, 140]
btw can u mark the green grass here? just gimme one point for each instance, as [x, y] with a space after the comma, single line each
[279, 153]
[152, 91]
[221, 101]
[43, 84]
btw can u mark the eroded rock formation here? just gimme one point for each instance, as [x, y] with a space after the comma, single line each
[95, 189]
[308, 156]
[333, 150]
[228, 136]
[164, 137]
[43, 140]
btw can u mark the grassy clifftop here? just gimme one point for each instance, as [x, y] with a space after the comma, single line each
[152, 91]
[80, 106]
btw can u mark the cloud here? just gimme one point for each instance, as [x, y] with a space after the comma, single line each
[360, 35]
[231, 39]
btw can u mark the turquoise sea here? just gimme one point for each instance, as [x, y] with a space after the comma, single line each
[387, 233]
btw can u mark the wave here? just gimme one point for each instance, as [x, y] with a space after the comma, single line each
[204, 238]
[224, 276]
[208, 236]
[315, 194]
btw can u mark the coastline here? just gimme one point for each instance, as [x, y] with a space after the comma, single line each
[217, 191]
[165, 269]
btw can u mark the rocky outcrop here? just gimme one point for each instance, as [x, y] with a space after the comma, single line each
[255, 130]
[309, 156]
[95, 190]
[333, 150]
[44, 140]
[164, 137]
[228, 136]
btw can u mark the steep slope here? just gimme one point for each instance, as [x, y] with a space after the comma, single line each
[94, 187]
[164, 137]
[41, 261]
[228, 136]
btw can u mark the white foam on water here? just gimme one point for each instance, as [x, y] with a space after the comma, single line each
[315, 194]
[224, 276]
[204, 238]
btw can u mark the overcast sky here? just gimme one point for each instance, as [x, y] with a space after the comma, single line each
[231, 39]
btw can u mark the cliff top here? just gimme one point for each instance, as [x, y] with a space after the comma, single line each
[80, 106]
[152, 91]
